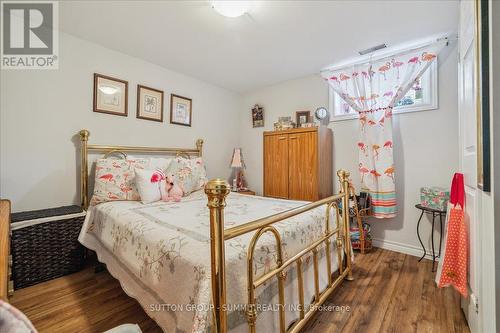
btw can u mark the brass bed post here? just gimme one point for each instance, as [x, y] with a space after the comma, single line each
[217, 190]
[199, 146]
[84, 138]
[345, 189]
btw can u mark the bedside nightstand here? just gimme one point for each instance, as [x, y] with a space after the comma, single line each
[247, 192]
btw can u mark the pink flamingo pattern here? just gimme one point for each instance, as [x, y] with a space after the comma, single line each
[107, 177]
[384, 68]
[389, 172]
[389, 78]
[375, 148]
[157, 176]
[414, 61]
[428, 56]
[362, 121]
[344, 77]
[363, 170]
[125, 189]
[381, 122]
[362, 147]
[335, 79]
[396, 64]
[115, 180]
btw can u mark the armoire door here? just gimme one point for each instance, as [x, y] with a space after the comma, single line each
[302, 166]
[276, 166]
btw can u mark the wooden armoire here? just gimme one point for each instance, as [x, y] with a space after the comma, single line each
[298, 163]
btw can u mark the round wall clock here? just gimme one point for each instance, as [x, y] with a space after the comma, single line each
[322, 115]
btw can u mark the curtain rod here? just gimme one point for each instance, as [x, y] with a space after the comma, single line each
[387, 54]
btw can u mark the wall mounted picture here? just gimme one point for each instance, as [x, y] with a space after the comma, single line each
[180, 110]
[258, 116]
[110, 95]
[149, 103]
[302, 117]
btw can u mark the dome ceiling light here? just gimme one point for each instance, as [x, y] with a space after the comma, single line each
[231, 8]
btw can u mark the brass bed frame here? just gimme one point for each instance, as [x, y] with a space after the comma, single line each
[216, 191]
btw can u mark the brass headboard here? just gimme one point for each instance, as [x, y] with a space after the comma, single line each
[86, 148]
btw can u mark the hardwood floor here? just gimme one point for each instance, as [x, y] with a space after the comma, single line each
[391, 292]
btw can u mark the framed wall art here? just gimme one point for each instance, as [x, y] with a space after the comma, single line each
[180, 110]
[258, 116]
[149, 103]
[110, 95]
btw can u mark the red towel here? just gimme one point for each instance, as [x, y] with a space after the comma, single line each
[454, 270]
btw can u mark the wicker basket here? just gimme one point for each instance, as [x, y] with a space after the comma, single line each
[44, 244]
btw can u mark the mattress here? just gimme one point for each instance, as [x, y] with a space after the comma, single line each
[160, 253]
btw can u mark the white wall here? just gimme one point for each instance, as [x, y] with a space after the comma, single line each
[425, 145]
[41, 111]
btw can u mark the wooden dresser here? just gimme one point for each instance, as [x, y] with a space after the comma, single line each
[298, 163]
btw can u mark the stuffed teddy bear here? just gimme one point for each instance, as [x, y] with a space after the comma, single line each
[173, 191]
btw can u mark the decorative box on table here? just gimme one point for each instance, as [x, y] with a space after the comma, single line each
[434, 197]
[44, 244]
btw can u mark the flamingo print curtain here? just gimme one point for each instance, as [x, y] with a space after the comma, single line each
[373, 89]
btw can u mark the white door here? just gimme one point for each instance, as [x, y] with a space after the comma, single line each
[468, 154]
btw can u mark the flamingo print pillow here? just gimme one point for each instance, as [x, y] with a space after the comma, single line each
[115, 180]
[190, 174]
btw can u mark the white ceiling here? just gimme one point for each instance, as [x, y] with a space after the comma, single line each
[276, 41]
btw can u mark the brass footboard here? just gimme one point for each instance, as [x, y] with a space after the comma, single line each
[217, 190]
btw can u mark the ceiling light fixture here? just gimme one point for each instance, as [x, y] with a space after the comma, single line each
[231, 8]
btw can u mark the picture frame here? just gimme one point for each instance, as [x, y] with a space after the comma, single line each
[110, 95]
[149, 103]
[302, 117]
[257, 116]
[180, 110]
[483, 96]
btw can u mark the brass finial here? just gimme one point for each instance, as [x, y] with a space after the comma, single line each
[84, 135]
[199, 145]
[343, 175]
[217, 190]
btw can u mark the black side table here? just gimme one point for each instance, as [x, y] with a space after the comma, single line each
[434, 213]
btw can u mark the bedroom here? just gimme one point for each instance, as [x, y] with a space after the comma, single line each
[237, 75]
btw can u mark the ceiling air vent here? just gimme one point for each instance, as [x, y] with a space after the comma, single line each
[372, 49]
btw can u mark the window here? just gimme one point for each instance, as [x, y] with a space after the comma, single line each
[422, 96]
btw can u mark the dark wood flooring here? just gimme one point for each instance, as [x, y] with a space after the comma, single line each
[392, 292]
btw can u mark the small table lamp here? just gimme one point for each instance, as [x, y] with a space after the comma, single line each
[238, 165]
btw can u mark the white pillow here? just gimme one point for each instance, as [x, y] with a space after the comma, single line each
[149, 183]
[161, 163]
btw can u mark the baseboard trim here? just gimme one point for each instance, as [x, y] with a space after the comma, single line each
[401, 248]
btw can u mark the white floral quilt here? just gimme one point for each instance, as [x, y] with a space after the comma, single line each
[160, 253]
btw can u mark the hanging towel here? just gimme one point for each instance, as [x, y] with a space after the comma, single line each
[452, 269]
